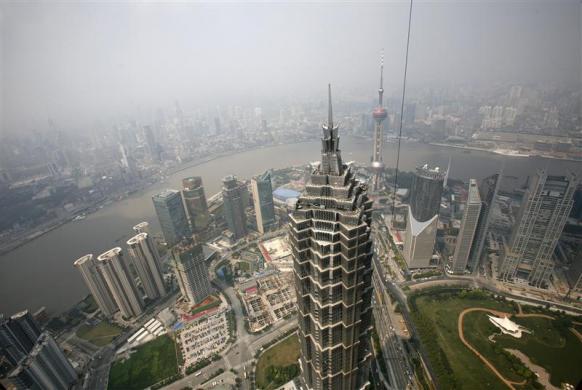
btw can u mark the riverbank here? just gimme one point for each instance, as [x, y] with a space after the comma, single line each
[505, 152]
[90, 209]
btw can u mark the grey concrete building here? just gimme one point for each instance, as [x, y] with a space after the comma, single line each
[18, 335]
[466, 236]
[488, 189]
[330, 237]
[542, 216]
[191, 271]
[46, 367]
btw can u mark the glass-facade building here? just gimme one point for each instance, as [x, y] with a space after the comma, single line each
[172, 216]
[263, 201]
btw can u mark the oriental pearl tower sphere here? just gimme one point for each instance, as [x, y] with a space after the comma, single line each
[379, 115]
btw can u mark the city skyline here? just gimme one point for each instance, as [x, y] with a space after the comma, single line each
[182, 204]
[130, 83]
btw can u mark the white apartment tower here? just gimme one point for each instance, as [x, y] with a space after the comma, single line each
[118, 278]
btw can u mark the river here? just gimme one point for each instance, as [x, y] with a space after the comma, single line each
[41, 273]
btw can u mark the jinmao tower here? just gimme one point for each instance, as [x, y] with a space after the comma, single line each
[379, 115]
[330, 236]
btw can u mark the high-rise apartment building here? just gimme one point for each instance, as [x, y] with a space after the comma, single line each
[46, 367]
[330, 236]
[466, 236]
[421, 227]
[191, 271]
[142, 227]
[488, 193]
[542, 216]
[172, 216]
[96, 284]
[115, 270]
[263, 201]
[196, 205]
[18, 335]
[147, 265]
[233, 196]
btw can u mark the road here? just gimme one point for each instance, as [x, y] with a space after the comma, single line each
[98, 372]
[241, 353]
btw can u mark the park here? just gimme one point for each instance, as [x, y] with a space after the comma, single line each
[457, 336]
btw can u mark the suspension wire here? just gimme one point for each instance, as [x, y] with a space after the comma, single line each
[401, 112]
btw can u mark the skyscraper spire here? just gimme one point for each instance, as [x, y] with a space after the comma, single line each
[330, 234]
[331, 161]
[330, 111]
[381, 89]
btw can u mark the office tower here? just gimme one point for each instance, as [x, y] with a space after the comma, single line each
[233, 196]
[191, 271]
[466, 235]
[18, 335]
[542, 216]
[96, 284]
[421, 228]
[332, 253]
[263, 201]
[379, 114]
[46, 367]
[196, 205]
[147, 265]
[488, 193]
[114, 269]
[172, 217]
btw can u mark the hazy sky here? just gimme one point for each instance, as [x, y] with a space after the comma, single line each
[80, 62]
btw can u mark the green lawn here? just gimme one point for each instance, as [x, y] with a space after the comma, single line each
[279, 360]
[435, 315]
[149, 364]
[477, 330]
[100, 334]
[551, 345]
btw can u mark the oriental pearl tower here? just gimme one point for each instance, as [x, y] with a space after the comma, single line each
[379, 115]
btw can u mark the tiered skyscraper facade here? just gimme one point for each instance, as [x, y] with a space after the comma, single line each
[330, 236]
